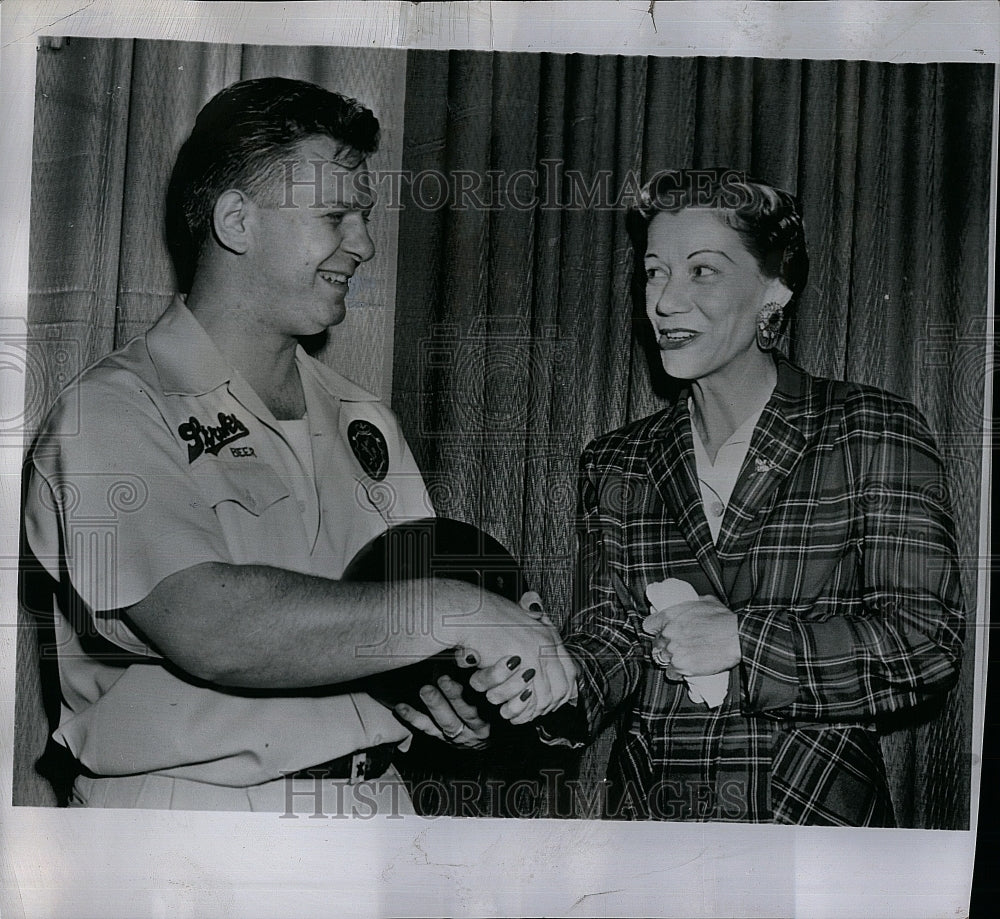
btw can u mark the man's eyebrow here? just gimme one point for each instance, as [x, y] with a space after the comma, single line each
[362, 203]
[712, 252]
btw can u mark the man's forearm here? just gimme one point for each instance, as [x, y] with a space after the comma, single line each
[256, 626]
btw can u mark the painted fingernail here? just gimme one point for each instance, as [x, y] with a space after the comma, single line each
[513, 663]
[470, 658]
[535, 606]
[526, 695]
[528, 674]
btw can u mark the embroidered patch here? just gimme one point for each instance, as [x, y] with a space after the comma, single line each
[369, 446]
[210, 438]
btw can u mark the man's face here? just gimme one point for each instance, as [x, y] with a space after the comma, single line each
[309, 238]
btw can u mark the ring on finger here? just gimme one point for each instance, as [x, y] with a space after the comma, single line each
[662, 656]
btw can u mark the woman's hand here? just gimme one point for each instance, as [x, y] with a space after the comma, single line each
[452, 719]
[697, 637]
[504, 682]
[502, 636]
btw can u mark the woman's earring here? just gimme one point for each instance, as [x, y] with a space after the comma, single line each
[769, 321]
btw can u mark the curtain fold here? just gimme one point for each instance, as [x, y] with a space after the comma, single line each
[81, 121]
[547, 347]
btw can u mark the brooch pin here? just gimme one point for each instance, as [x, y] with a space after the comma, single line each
[763, 465]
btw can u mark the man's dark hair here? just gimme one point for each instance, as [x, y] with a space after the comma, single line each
[240, 139]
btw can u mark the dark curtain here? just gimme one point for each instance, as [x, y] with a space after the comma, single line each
[518, 338]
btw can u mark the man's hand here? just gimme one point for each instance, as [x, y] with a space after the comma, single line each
[697, 637]
[452, 719]
[527, 687]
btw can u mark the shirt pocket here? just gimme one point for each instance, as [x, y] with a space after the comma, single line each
[253, 488]
[260, 521]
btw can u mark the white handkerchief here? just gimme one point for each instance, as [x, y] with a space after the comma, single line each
[710, 689]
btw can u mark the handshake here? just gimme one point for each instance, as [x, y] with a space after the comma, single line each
[520, 663]
[521, 667]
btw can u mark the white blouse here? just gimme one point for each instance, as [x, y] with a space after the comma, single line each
[718, 479]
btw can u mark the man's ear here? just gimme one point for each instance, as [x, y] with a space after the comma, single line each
[229, 220]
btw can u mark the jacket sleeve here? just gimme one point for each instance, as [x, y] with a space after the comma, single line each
[898, 642]
[602, 632]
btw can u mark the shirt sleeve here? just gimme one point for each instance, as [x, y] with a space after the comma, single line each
[897, 643]
[401, 495]
[415, 502]
[110, 506]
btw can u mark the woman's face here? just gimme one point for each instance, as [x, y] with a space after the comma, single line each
[704, 291]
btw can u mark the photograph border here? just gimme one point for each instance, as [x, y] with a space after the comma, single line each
[119, 863]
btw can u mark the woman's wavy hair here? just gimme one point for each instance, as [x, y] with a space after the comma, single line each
[766, 218]
[240, 139]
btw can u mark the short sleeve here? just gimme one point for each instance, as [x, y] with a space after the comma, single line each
[110, 506]
[408, 482]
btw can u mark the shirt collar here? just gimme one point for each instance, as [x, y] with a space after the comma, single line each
[189, 364]
[186, 359]
[793, 383]
[329, 380]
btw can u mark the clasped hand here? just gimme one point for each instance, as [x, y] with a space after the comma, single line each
[522, 667]
[695, 637]
[530, 677]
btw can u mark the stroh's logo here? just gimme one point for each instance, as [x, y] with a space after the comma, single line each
[204, 438]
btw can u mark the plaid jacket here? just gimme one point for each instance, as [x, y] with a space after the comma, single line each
[836, 553]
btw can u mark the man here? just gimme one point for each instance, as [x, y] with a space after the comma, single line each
[202, 632]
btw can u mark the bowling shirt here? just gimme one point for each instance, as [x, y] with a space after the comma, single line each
[161, 457]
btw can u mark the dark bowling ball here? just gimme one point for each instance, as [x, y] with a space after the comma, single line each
[434, 547]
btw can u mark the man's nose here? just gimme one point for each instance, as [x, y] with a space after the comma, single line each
[357, 241]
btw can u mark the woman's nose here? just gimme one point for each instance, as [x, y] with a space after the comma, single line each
[666, 300]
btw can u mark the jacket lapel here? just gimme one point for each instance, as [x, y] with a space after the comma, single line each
[778, 442]
[671, 468]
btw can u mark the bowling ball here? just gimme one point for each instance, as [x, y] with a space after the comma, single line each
[426, 549]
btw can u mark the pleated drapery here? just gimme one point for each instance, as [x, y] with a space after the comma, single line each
[518, 337]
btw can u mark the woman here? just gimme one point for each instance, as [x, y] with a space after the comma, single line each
[808, 516]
